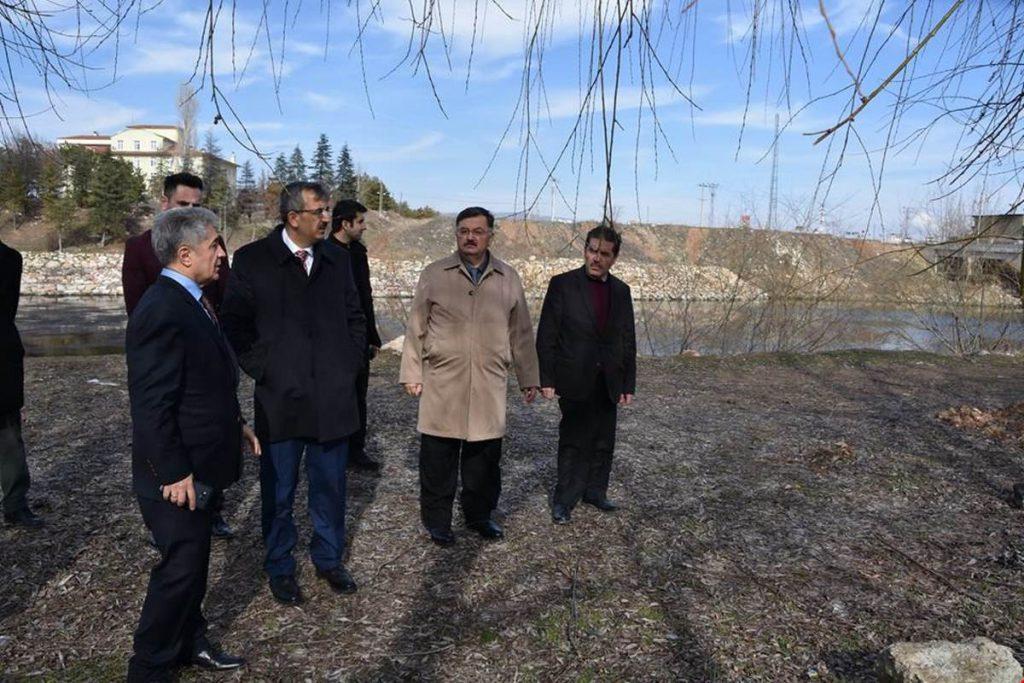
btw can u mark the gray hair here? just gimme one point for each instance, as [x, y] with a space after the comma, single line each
[292, 198]
[175, 227]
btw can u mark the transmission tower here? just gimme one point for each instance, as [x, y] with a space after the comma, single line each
[773, 193]
[710, 187]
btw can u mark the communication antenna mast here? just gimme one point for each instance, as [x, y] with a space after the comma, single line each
[710, 187]
[773, 193]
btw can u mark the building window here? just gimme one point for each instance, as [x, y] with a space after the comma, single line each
[138, 145]
[120, 144]
[152, 144]
[152, 163]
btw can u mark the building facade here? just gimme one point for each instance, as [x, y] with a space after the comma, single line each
[152, 150]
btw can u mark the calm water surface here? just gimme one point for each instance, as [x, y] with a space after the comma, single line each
[95, 325]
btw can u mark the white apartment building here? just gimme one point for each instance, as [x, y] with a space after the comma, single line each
[152, 150]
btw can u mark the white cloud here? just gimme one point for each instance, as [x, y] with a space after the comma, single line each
[405, 152]
[75, 114]
[322, 102]
[566, 103]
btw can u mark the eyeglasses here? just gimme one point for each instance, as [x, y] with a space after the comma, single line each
[463, 232]
[319, 212]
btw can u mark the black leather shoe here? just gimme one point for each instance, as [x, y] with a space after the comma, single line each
[560, 514]
[220, 528]
[442, 537]
[604, 505]
[24, 517]
[487, 529]
[210, 657]
[364, 463]
[339, 579]
[285, 590]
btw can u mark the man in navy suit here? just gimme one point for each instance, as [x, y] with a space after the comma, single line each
[141, 268]
[187, 430]
[586, 344]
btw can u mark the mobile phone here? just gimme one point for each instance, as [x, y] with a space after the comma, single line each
[204, 494]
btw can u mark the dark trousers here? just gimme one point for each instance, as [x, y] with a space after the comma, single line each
[14, 479]
[586, 441]
[439, 476]
[172, 617]
[357, 441]
[279, 475]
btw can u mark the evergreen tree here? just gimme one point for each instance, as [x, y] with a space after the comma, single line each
[345, 178]
[218, 194]
[156, 182]
[323, 167]
[374, 194]
[115, 189]
[296, 166]
[281, 169]
[248, 179]
[80, 163]
[58, 202]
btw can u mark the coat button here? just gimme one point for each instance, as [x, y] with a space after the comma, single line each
[471, 292]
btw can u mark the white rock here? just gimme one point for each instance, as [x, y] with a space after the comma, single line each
[395, 345]
[978, 660]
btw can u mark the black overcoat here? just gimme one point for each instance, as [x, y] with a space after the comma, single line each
[570, 349]
[12, 353]
[301, 338]
[182, 388]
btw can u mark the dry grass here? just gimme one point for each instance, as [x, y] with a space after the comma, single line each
[784, 517]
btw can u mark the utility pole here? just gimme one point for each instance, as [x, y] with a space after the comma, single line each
[710, 187]
[773, 193]
[700, 200]
[380, 197]
[554, 187]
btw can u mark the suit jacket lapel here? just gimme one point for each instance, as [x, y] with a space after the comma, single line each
[207, 323]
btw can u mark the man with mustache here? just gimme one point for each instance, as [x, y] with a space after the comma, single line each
[468, 324]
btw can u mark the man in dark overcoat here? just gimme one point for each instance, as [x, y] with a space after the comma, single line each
[187, 434]
[586, 344]
[348, 223]
[293, 316]
[14, 478]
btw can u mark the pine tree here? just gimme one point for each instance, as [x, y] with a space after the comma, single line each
[248, 179]
[58, 202]
[218, 194]
[80, 163]
[346, 175]
[156, 181]
[115, 189]
[374, 194]
[281, 172]
[323, 168]
[296, 166]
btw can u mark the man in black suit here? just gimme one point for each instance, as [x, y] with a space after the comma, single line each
[293, 316]
[586, 343]
[14, 479]
[348, 223]
[140, 268]
[187, 434]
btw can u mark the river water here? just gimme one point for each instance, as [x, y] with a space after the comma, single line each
[95, 325]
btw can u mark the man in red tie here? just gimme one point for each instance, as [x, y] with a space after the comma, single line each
[293, 317]
[141, 268]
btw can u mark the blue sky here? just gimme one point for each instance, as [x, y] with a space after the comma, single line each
[430, 157]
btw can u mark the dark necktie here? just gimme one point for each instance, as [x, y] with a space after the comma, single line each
[209, 310]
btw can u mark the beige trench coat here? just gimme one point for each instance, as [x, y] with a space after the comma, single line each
[460, 341]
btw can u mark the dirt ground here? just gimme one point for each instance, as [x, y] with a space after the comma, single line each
[784, 518]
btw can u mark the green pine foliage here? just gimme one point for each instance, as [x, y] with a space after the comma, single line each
[323, 167]
[345, 177]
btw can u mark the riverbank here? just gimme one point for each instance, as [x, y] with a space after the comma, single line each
[784, 518]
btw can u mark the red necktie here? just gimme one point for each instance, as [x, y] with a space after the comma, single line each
[302, 255]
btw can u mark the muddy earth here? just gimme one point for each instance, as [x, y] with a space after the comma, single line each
[784, 518]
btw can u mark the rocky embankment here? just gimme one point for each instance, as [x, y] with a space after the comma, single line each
[99, 274]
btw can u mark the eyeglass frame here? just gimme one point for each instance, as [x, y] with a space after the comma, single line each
[319, 212]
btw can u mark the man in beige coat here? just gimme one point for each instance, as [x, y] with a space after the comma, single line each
[468, 324]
